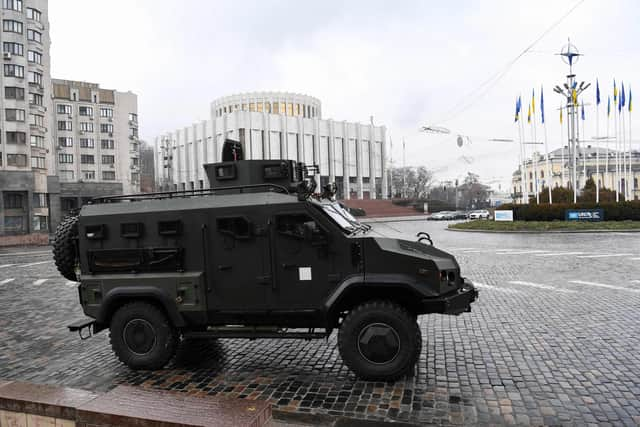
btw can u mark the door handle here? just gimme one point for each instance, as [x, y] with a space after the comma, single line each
[224, 267]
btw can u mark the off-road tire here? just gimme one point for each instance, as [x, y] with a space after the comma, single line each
[64, 247]
[406, 330]
[165, 336]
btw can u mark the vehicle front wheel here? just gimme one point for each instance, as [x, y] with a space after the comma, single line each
[142, 336]
[380, 340]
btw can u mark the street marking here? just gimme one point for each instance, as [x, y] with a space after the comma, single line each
[540, 286]
[5, 281]
[26, 253]
[6, 265]
[71, 284]
[39, 282]
[603, 285]
[634, 259]
[520, 252]
[459, 249]
[34, 263]
[474, 251]
[560, 253]
[602, 255]
[496, 288]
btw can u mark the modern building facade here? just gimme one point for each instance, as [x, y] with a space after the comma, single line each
[277, 125]
[596, 163]
[25, 150]
[95, 138]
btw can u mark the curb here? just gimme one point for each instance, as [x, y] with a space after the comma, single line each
[303, 419]
[543, 231]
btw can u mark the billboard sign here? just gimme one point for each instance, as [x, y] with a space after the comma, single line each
[584, 215]
[506, 215]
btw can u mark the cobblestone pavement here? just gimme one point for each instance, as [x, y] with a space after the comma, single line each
[553, 339]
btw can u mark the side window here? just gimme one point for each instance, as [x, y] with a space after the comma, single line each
[238, 227]
[299, 226]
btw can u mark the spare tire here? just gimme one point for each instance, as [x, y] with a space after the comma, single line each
[64, 247]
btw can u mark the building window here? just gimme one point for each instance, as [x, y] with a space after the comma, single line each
[133, 117]
[36, 120]
[108, 159]
[37, 141]
[13, 200]
[64, 109]
[133, 132]
[40, 200]
[34, 36]
[11, 92]
[11, 26]
[90, 175]
[13, 48]
[13, 70]
[65, 176]
[36, 99]
[106, 144]
[283, 108]
[289, 109]
[106, 112]
[35, 78]
[12, 5]
[86, 127]
[34, 14]
[87, 159]
[106, 128]
[64, 125]
[16, 137]
[38, 162]
[18, 160]
[87, 143]
[65, 141]
[65, 158]
[14, 115]
[108, 175]
[34, 57]
[85, 111]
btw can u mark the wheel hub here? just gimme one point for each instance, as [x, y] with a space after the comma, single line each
[379, 343]
[139, 335]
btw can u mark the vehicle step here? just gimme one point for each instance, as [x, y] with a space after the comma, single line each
[79, 325]
[253, 334]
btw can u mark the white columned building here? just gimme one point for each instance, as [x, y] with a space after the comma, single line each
[277, 125]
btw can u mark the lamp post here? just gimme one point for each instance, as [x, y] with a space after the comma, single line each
[571, 91]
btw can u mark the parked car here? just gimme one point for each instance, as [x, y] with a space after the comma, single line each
[442, 215]
[460, 215]
[480, 214]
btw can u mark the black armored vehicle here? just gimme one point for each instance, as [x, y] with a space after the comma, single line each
[257, 255]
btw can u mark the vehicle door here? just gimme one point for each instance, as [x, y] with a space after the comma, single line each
[239, 262]
[302, 260]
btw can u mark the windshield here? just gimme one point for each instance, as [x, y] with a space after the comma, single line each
[343, 218]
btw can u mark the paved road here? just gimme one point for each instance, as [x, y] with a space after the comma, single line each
[554, 339]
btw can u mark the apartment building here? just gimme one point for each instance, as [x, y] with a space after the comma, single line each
[95, 135]
[26, 90]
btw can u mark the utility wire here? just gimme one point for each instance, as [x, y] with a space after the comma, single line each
[495, 78]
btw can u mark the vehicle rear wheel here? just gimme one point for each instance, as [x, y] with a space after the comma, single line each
[142, 336]
[380, 340]
[64, 248]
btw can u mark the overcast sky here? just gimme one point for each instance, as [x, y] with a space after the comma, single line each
[406, 63]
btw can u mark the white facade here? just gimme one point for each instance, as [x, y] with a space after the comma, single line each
[277, 125]
[596, 163]
[95, 132]
[25, 149]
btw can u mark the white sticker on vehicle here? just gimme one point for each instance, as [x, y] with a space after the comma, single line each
[304, 273]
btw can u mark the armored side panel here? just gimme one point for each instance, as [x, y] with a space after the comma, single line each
[286, 173]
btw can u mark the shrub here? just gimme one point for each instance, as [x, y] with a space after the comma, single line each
[549, 212]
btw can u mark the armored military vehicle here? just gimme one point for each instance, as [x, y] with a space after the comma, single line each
[260, 254]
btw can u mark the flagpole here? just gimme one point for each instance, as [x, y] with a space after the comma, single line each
[606, 154]
[615, 119]
[525, 190]
[534, 156]
[562, 184]
[598, 147]
[584, 148]
[631, 189]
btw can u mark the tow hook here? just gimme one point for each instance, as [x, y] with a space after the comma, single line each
[422, 236]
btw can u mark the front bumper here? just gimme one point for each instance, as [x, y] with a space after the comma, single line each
[454, 303]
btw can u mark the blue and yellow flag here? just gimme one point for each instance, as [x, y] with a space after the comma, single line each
[597, 93]
[615, 91]
[529, 114]
[533, 101]
[619, 104]
[574, 97]
[582, 111]
[608, 106]
[629, 99]
[622, 97]
[560, 114]
[517, 109]
[542, 103]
